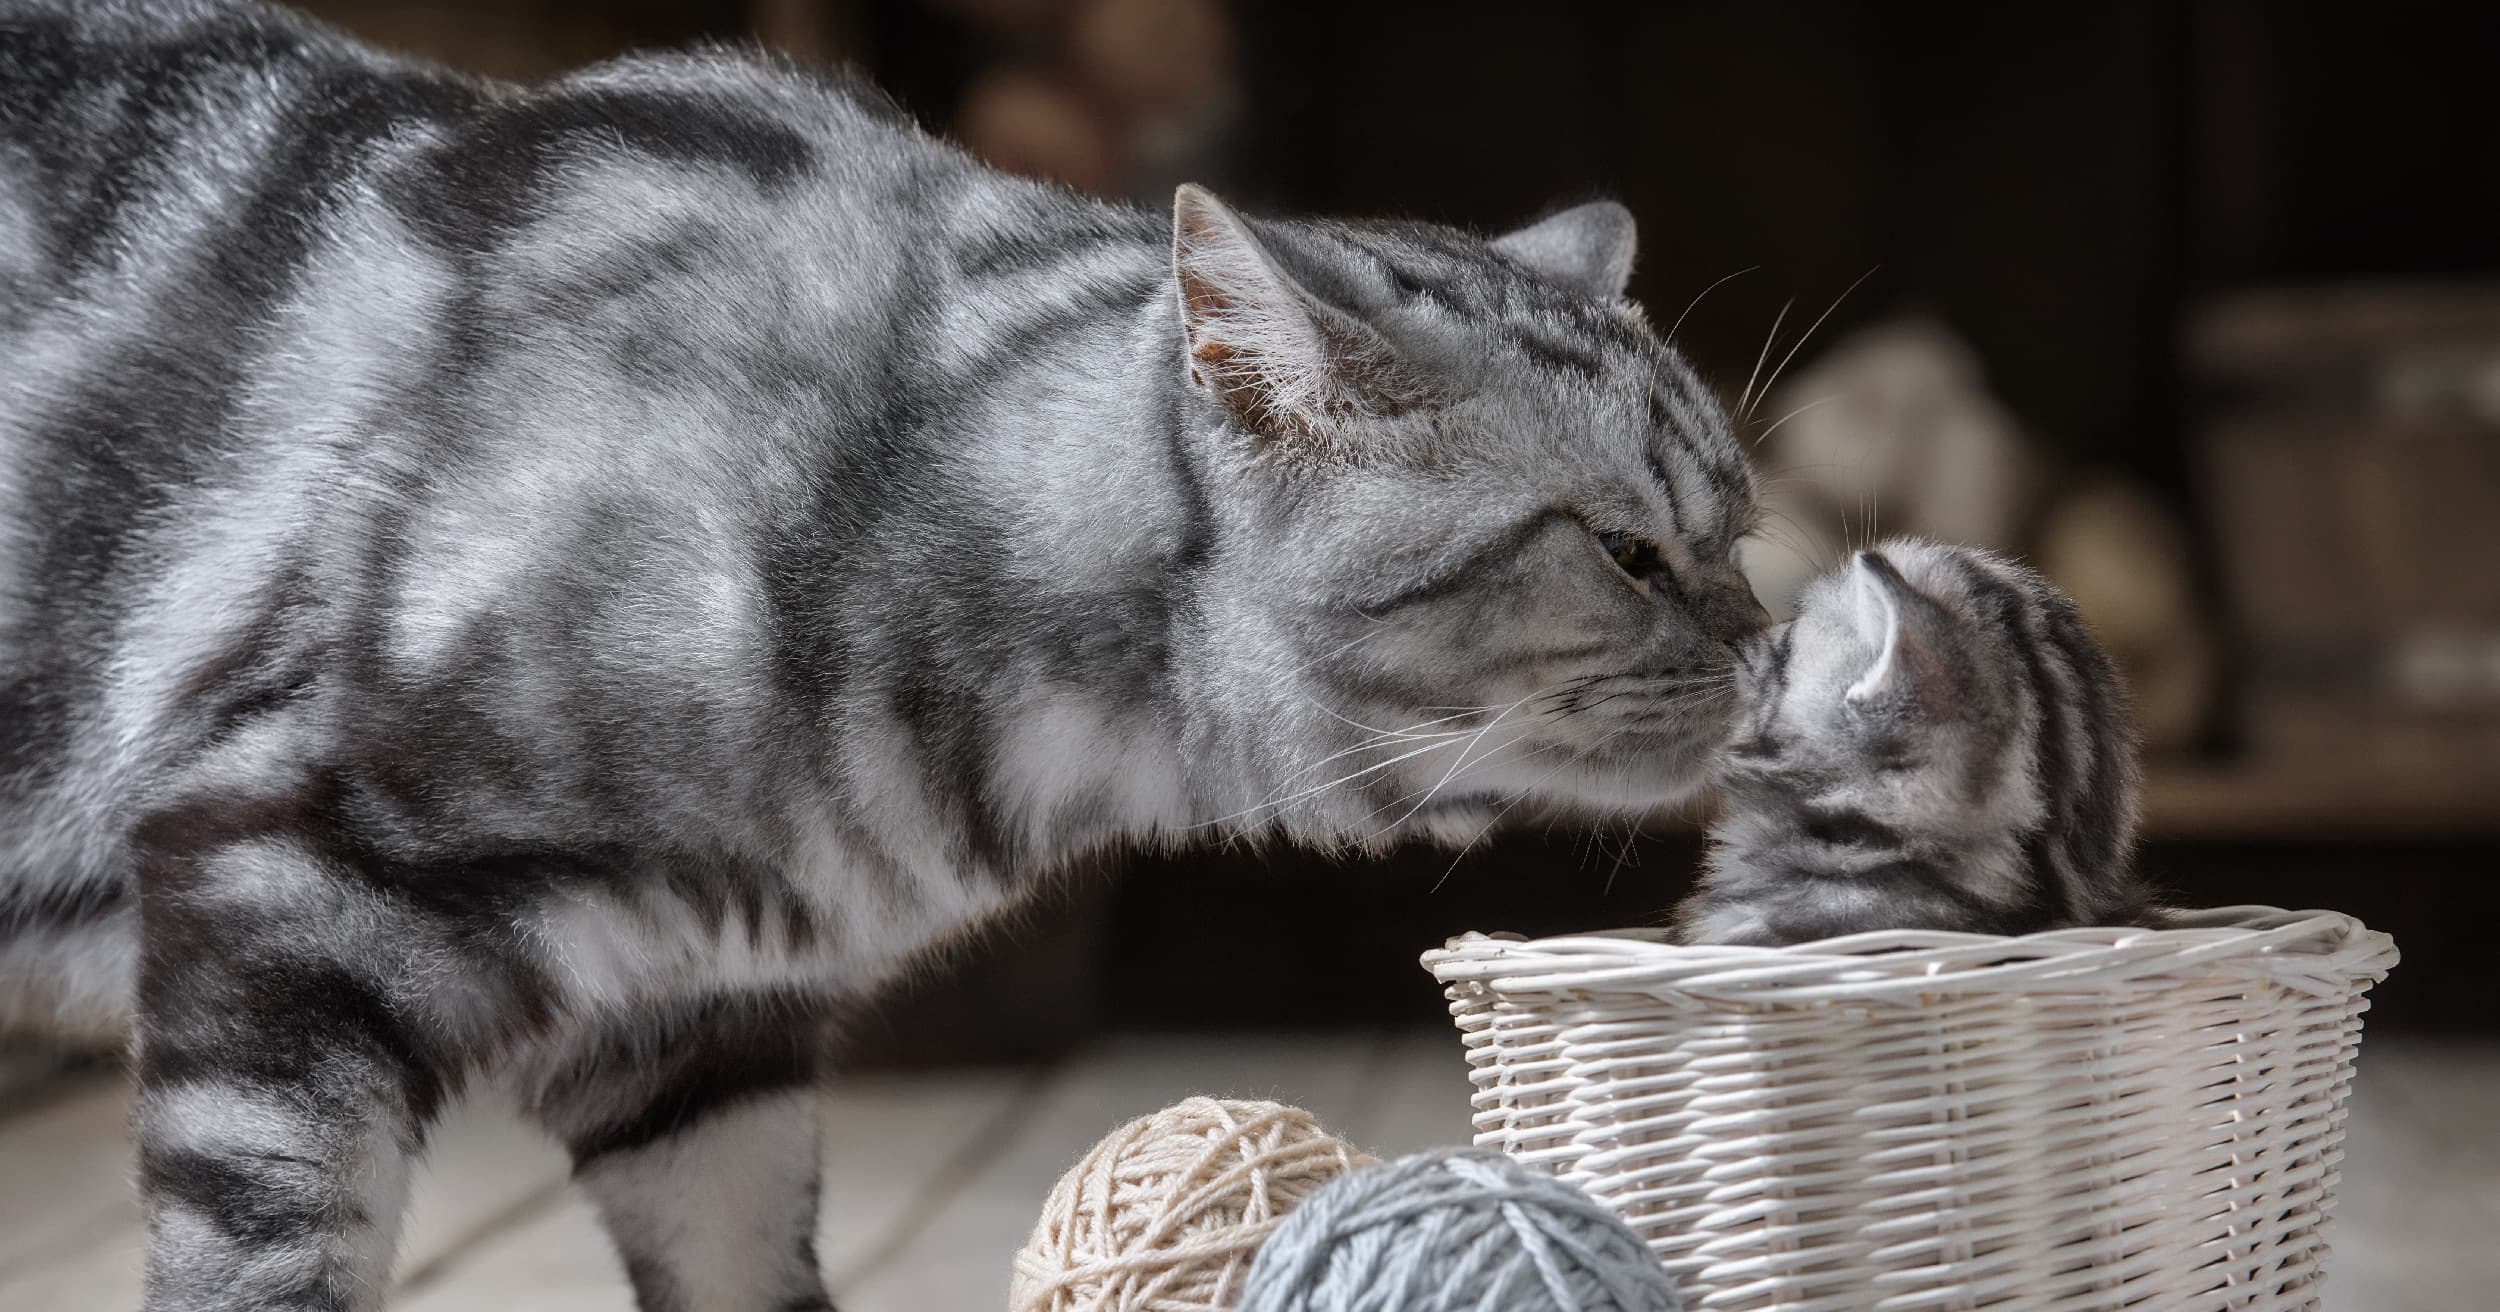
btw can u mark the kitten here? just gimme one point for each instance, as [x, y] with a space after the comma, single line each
[1934, 742]
[567, 584]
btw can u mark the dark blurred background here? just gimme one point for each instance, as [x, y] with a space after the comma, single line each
[2196, 304]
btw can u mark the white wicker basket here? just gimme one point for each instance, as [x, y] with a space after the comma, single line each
[1910, 1120]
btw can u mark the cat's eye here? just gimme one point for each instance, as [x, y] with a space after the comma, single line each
[1637, 557]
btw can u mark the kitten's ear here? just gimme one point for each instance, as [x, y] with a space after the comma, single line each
[1587, 248]
[1289, 366]
[1903, 629]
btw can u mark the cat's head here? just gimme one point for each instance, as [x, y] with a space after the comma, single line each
[1944, 693]
[1476, 523]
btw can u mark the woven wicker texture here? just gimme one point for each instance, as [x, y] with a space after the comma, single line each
[2084, 1119]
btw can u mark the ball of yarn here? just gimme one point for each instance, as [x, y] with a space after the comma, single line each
[1457, 1229]
[1166, 1213]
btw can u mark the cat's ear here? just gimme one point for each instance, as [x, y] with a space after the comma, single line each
[1292, 368]
[1587, 248]
[1903, 630]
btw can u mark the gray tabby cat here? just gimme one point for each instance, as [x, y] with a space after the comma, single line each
[1934, 742]
[566, 584]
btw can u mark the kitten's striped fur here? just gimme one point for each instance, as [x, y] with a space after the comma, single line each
[1934, 742]
[568, 584]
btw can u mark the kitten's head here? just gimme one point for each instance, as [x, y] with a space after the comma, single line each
[1946, 694]
[1476, 523]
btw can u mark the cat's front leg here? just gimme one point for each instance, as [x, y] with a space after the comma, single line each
[286, 1079]
[696, 1133]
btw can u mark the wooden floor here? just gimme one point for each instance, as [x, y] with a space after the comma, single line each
[933, 1180]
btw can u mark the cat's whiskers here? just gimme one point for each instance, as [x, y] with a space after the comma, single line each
[1466, 764]
[1686, 693]
[1356, 641]
[1806, 336]
[1380, 738]
[1377, 744]
[1744, 399]
[1482, 762]
[1486, 760]
[1696, 301]
[1624, 854]
[1676, 692]
[1385, 738]
[1791, 536]
[1521, 795]
[1774, 425]
[1456, 713]
[1421, 796]
[1317, 789]
[1460, 763]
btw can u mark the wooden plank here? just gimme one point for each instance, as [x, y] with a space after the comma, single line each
[1415, 1095]
[960, 1258]
[2420, 1199]
[104, 1276]
[888, 1138]
[88, 1250]
[486, 1168]
[934, 1179]
[68, 1164]
[893, 1144]
[553, 1259]
[2446, 1092]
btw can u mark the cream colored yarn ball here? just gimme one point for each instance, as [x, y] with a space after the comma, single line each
[1167, 1212]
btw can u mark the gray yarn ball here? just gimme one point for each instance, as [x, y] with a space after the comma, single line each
[1449, 1230]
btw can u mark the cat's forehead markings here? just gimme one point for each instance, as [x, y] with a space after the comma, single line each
[1704, 503]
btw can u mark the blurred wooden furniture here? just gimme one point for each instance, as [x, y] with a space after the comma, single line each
[2351, 442]
[932, 1179]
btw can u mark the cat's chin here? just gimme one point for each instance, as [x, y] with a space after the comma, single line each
[1630, 797]
[1668, 780]
[1458, 824]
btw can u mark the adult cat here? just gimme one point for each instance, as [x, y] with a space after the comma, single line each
[563, 583]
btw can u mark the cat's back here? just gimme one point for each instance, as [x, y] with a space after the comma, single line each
[271, 299]
[287, 234]
[315, 359]
[125, 124]
[142, 140]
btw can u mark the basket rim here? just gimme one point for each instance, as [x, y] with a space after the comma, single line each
[2315, 951]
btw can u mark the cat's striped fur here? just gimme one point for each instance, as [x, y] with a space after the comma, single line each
[1935, 742]
[569, 583]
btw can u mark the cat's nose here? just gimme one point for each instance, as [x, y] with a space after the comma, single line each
[1745, 611]
[1740, 615]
